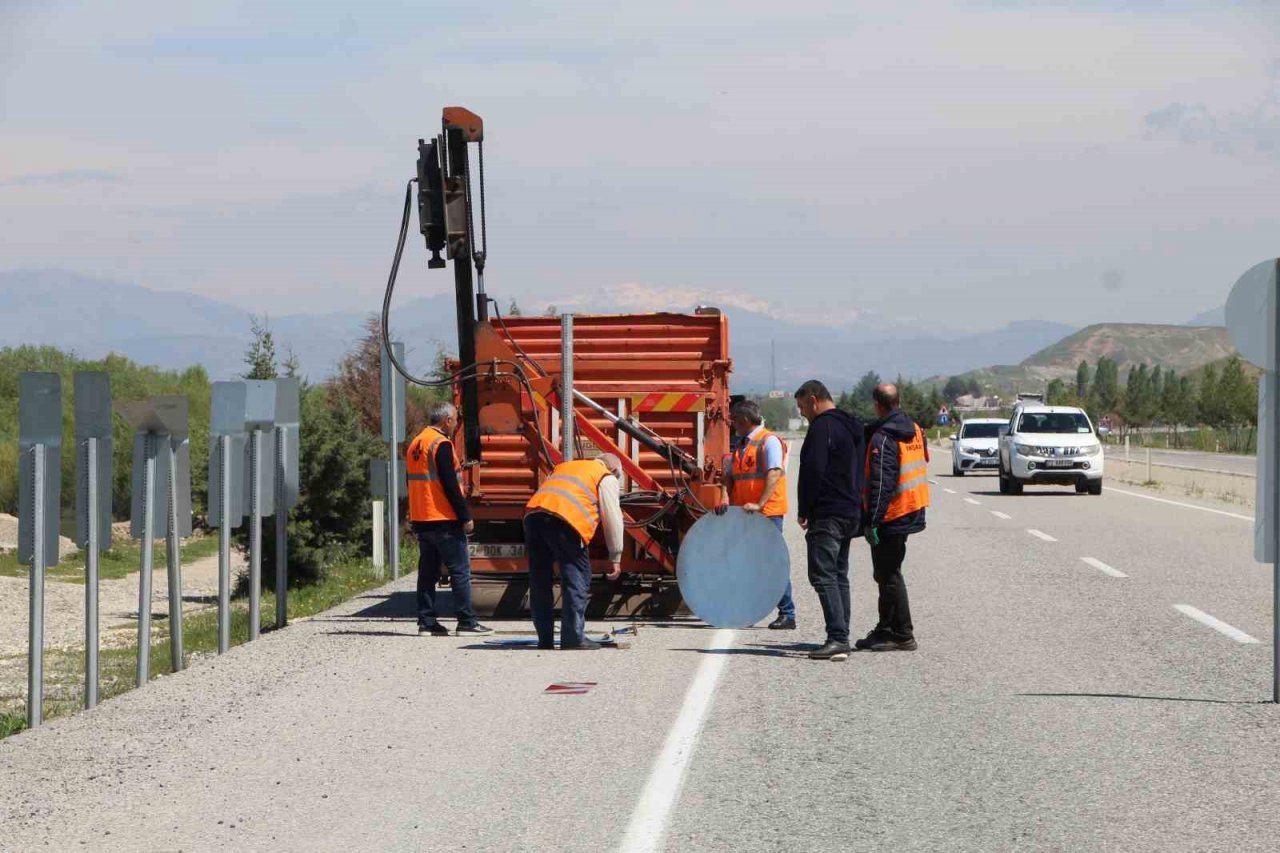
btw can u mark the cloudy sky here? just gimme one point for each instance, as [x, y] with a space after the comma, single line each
[935, 164]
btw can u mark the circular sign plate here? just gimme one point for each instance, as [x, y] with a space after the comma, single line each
[1250, 321]
[733, 568]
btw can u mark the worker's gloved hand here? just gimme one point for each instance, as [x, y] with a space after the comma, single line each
[873, 536]
[721, 509]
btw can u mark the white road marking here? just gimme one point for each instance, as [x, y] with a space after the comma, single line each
[1040, 534]
[1177, 503]
[1103, 567]
[649, 820]
[972, 501]
[949, 491]
[998, 514]
[1216, 624]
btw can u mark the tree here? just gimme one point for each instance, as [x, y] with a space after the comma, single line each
[1209, 402]
[261, 355]
[975, 388]
[359, 381]
[1082, 381]
[1105, 392]
[1056, 394]
[955, 388]
[858, 401]
[777, 412]
[1238, 400]
[513, 310]
[551, 311]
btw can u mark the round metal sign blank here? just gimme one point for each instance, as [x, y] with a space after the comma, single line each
[1250, 321]
[733, 568]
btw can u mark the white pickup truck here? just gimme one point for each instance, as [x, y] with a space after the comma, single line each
[1051, 446]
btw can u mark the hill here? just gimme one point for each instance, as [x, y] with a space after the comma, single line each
[1184, 349]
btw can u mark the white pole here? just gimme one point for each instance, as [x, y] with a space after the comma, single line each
[1148, 464]
[144, 575]
[282, 531]
[91, 581]
[174, 555]
[224, 547]
[379, 541]
[35, 624]
[255, 535]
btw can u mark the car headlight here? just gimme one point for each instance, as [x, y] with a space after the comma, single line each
[1027, 450]
[1091, 450]
[964, 448]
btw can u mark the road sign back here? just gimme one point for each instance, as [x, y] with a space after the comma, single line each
[732, 569]
[93, 421]
[1251, 314]
[39, 425]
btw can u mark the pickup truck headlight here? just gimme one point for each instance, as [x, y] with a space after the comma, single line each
[1091, 450]
[1028, 450]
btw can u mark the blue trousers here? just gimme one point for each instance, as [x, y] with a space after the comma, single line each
[786, 607]
[549, 540]
[443, 542]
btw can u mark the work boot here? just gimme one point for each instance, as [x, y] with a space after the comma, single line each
[783, 623]
[831, 650]
[888, 644]
[475, 629]
[583, 645]
[435, 629]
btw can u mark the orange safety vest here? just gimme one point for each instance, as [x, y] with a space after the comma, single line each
[427, 498]
[749, 475]
[912, 493]
[572, 492]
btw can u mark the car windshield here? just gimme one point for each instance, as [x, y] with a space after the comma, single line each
[980, 431]
[1074, 422]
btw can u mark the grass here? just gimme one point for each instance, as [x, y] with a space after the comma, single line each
[64, 669]
[112, 565]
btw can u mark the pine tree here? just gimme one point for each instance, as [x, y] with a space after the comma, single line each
[1082, 382]
[261, 355]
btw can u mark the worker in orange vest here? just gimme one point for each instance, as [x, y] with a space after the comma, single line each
[560, 521]
[896, 499]
[756, 480]
[441, 521]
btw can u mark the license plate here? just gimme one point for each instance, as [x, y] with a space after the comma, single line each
[1059, 463]
[512, 550]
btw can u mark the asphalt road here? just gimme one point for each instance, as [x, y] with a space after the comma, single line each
[1228, 462]
[1052, 705]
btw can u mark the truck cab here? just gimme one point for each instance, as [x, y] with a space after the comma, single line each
[1051, 446]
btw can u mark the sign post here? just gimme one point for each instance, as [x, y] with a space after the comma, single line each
[93, 503]
[39, 474]
[260, 416]
[393, 432]
[226, 487]
[288, 419]
[1253, 320]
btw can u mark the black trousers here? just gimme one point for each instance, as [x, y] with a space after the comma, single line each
[828, 540]
[886, 563]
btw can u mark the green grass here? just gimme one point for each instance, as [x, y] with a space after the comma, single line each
[112, 565]
[64, 670]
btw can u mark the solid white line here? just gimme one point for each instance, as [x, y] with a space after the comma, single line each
[949, 491]
[1103, 567]
[1039, 534]
[972, 501]
[1184, 506]
[998, 514]
[1216, 624]
[649, 820]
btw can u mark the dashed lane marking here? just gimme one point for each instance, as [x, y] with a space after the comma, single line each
[1103, 567]
[972, 501]
[998, 514]
[1040, 534]
[1216, 624]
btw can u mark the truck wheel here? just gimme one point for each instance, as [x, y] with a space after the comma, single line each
[1095, 487]
[1015, 486]
[1004, 483]
[956, 472]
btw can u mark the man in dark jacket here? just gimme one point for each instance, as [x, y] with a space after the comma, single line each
[897, 497]
[829, 507]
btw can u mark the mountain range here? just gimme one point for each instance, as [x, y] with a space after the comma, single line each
[173, 330]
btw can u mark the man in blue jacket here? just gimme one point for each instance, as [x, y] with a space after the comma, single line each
[829, 507]
[897, 497]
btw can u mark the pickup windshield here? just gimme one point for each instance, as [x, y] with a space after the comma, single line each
[980, 431]
[1072, 422]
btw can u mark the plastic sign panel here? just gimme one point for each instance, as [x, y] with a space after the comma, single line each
[93, 418]
[393, 391]
[733, 568]
[39, 425]
[227, 418]
[260, 417]
[378, 478]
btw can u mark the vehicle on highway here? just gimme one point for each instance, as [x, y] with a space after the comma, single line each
[1050, 446]
[975, 446]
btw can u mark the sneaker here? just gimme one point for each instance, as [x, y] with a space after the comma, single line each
[582, 645]
[831, 650]
[473, 630]
[783, 623]
[888, 644]
[435, 630]
[870, 640]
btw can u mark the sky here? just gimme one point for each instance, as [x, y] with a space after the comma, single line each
[907, 165]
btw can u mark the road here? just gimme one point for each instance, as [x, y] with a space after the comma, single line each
[1053, 705]
[1226, 462]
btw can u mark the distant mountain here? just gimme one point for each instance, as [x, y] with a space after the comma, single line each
[1184, 349]
[1212, 317]
[174, 330]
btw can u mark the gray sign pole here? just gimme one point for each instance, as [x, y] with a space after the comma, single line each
[174, 559]
[91, 578]
[282, 529]
[393, 432]
[224, 545]
[35, 639]
[255, 533]
[148, 538]
[1273, 518]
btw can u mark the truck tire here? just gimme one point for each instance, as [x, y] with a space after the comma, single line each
[1004, 482]
[956, 472]
[1015, 486]
[1095, 487]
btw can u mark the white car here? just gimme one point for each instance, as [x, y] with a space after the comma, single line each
[1051, 446]
[975, 446]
